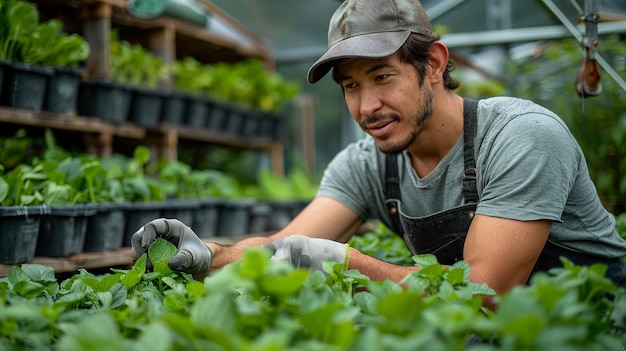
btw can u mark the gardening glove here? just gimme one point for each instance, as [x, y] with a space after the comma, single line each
[305, 252]
[193, 256]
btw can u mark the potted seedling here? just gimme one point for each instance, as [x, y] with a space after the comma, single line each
[24, 83]
[44, 73]
[20, 212]
[192, 78]
[143, 71]
[129, 94]
[145, 194]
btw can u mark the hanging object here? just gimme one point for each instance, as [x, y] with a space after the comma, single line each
[186, 10]
[588, 79]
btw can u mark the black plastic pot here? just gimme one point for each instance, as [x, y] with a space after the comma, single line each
[25, 86]
[105, 229]
[260, 214]
[5, 66]
[266, 125]
[62, 91]
[105, 99]
[206, 217]
[235, 119]
[235, 217]
[138, 214]
[197, 112]
[218, 113]
[282, 214]
[181, 209]
[252, 124]
[19, 232]
[145, 106]
[174, 108]
[62, 231]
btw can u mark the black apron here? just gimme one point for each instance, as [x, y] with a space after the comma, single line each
[443, 234]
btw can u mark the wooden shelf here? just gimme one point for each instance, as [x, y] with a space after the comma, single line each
[43, 119]
[168, 37]
[87, 260]
[91, 260]
[99, 135]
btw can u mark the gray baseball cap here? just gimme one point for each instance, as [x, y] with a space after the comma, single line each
[370, 28]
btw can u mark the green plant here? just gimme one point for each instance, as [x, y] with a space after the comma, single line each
[24, 39]
[133, 64]
[190, 75]
[18, 19]
[247, 83]
[18, 148]
[137, 186]
[257, 303]
[49, 46]
[382, 243]
[296, 185]
[23, 186]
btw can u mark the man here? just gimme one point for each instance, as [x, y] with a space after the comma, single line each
[500, 183]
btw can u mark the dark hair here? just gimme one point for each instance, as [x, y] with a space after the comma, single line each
[416, 51]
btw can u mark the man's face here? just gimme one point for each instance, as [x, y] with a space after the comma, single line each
[385, 98]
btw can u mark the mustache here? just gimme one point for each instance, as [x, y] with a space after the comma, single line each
[377, 118]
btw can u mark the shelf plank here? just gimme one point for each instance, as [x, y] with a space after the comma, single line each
[92, 260]
[44, 119]
[86, 260]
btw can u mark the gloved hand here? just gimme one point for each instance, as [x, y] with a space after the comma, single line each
[305, 252]
[193, 256]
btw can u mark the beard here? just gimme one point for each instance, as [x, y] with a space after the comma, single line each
[417, 121]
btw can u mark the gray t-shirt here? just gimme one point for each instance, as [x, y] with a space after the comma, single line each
[530, 167]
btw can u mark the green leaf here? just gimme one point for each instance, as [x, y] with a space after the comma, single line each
[98, 332]
[159, 253]
[154, 337]
[131, 278]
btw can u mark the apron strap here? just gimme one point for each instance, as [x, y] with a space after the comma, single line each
[470, 193]
[392, 191]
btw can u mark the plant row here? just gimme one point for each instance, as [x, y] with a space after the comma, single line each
[257, 303]
[41, 69]
[59, 204]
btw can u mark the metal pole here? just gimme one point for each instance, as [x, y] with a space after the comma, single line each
[557, 12]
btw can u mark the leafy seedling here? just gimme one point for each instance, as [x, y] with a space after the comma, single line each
[159, 253]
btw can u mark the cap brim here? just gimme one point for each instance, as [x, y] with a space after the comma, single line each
[373, 45]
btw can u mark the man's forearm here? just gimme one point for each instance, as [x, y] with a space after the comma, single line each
[376, 269]
[225, 254]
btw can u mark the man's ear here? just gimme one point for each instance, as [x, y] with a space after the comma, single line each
[438, 62]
